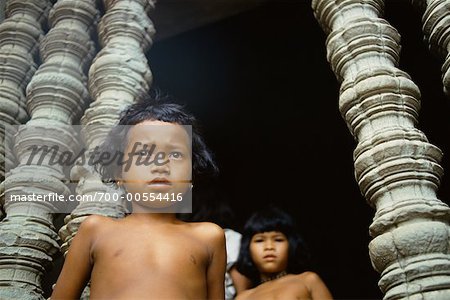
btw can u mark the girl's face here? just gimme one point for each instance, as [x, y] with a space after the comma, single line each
[269, 252]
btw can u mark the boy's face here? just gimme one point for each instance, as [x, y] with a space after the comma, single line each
[161, 163]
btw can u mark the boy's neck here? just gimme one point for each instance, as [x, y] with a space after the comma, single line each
[153, 216]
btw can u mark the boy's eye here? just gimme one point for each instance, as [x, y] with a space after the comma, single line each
[175, 155]
[142, 152]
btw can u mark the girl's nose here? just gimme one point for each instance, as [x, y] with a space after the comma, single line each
[269, 245]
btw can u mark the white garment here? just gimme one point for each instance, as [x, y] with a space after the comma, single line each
[233, 243]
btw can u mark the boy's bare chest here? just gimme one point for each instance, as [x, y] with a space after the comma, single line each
[149, 262]
[163, 250]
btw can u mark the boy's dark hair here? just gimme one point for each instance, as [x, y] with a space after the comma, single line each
[272, 219]
[155, 107]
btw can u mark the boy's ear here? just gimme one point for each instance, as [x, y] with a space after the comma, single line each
[118, 177]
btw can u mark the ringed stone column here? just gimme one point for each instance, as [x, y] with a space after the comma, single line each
[119, 75]
[20, 35]
[396, 168]
[55, 97]
[436, 29]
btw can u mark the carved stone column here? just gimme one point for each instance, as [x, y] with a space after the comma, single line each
[396, 168]
[436, 28]
[20, 34]
[119, 75]
[56, 97]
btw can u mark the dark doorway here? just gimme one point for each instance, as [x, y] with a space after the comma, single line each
[268, 101]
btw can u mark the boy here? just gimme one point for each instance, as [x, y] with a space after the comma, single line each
[149, 254]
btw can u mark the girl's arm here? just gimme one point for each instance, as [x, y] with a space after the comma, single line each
[317, 287]
[240, 282]
[215, 275]
[78, 264]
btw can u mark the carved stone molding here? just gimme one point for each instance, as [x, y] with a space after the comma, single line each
[119, 75]
[56, 97]
[436, 28]
[397, 169]
[20, 34]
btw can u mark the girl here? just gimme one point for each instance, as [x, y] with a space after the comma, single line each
[274, 257]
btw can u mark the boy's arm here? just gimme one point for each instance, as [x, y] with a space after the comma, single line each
[77, 266]
[317, 287]
[215, 275]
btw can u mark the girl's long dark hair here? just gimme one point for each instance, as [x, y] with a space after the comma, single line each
[266, 220]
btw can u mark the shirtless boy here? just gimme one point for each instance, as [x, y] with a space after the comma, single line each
[149, 254]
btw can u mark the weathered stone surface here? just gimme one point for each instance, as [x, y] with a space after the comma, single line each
[55, 98]
[20, 34]
[119, 75]
[436, 28]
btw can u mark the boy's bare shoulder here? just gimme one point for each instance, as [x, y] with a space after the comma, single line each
[208, 231]
[95, 223]
[95, 220]
[207, 228]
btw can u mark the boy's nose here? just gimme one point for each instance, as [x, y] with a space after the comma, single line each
[160, 168]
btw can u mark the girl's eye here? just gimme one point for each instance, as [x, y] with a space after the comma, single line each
[279, 240]
[258, 240]
[175, 155]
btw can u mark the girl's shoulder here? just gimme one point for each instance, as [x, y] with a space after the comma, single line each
[244, 294]
[308, 278]
[314, 284]
[303, 280]
[308, 275]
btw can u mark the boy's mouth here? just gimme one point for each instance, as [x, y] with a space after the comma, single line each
[159, 181]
